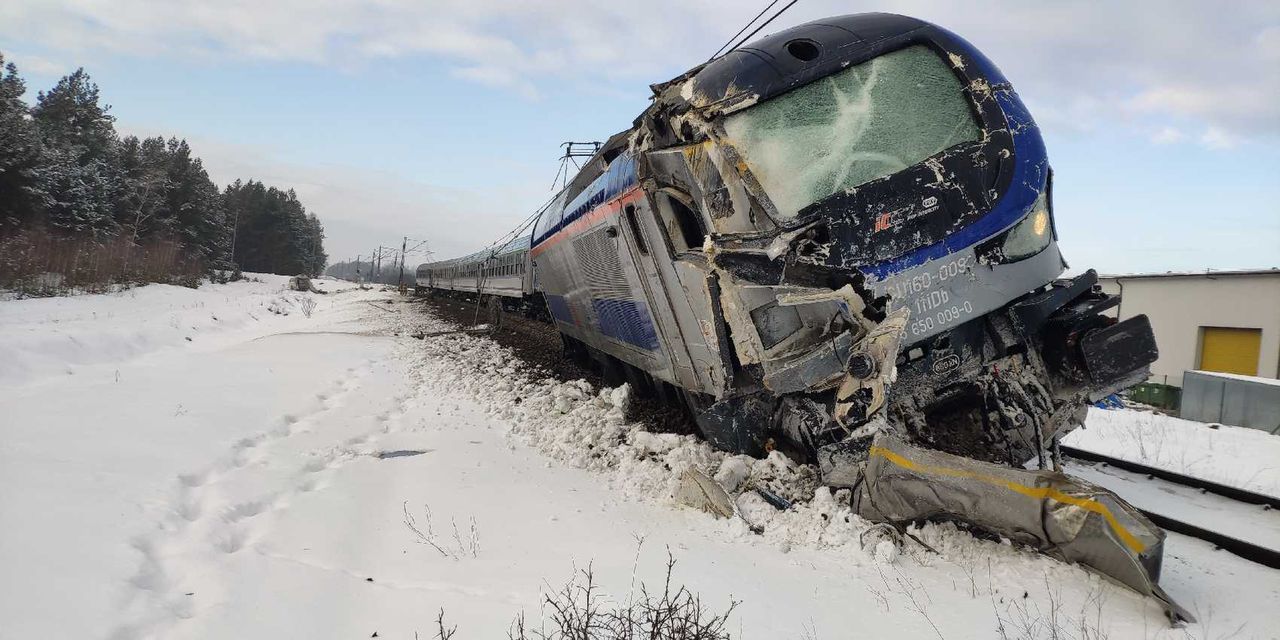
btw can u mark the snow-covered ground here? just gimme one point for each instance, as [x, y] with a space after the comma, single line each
[192, 464]
[1235, 456]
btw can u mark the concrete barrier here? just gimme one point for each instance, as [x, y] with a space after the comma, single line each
[1227, 398]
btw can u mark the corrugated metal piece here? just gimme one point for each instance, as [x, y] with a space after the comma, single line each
[1058, 514]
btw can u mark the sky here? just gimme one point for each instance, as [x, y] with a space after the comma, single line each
[442, 121]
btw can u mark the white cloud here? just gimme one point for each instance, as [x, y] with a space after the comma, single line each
[1168, 135]
[1082, 63]
[33, 64]
[498, 77]
[1219, 139]
[1268, 43]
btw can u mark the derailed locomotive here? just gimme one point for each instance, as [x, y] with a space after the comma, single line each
[839, 240]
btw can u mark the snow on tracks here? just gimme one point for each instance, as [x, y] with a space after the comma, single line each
[1244, 458]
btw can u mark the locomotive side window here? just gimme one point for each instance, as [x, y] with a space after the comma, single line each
[684, 228]
[635, 230]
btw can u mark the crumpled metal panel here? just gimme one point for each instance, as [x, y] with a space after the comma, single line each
[1060, 515]
[815, 369]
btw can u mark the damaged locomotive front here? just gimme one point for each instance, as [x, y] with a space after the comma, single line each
[880, 255]
[839, 241]
[878, 212]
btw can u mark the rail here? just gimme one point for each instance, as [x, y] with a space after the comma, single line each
[1265, 556]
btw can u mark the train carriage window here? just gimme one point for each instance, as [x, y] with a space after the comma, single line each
[635, 230]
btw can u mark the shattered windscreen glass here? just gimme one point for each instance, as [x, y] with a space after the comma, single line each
[852, 127]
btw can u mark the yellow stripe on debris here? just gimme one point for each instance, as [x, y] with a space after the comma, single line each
[1034, 492]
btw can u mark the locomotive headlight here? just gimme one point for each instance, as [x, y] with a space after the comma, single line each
[1039, 221]
[1030, 236]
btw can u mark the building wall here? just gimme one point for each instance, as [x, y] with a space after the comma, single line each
[1179, 305]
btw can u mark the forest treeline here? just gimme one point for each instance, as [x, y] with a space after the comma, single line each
[83, 208]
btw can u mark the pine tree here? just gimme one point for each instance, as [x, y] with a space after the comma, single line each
[317, 258]
[23, 163]
[84, 176]
[139, 209]
[273, 231]
[113, 204]
[194, 204]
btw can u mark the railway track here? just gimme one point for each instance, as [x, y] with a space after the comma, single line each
[1241, 522]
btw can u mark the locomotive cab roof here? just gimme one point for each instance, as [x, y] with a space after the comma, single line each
[783, 61]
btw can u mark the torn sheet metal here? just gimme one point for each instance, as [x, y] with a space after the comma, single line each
[1059, 515]
[814, 370]
[700, 492]
[828, 359]
[870, 371]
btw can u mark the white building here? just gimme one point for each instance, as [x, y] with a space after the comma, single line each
[1226, 321]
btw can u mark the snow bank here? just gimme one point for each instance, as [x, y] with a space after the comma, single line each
[586, 428]
[1235, 456]
[582, 427]
[43, 337]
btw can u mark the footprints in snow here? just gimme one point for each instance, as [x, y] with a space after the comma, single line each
[199, 527]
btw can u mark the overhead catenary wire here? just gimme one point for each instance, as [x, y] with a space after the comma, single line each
[744, 28]
[502, 243]
[488, 253]
[764, 24]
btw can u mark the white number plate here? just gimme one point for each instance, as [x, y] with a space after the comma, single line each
[933, 304]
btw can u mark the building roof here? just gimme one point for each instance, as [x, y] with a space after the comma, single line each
[1210, 273]
[1235, 376]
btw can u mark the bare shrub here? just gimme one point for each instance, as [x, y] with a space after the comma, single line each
[579, 611]
[1025, 619]
[444, 632]
[307, 305]
[35, 262]
[464, 544]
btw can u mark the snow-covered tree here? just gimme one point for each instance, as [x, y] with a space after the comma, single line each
[83, 171]
[23, 165]
[194, 204]
[76, 198]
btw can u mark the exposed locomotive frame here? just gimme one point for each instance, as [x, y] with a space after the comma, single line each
[821, 325]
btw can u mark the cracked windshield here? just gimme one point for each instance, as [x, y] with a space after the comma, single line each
[847, 129]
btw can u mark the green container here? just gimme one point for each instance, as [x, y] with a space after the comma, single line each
[1157, 395]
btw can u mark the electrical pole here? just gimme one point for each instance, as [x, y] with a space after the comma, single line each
[357, 269]
[404, 246]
